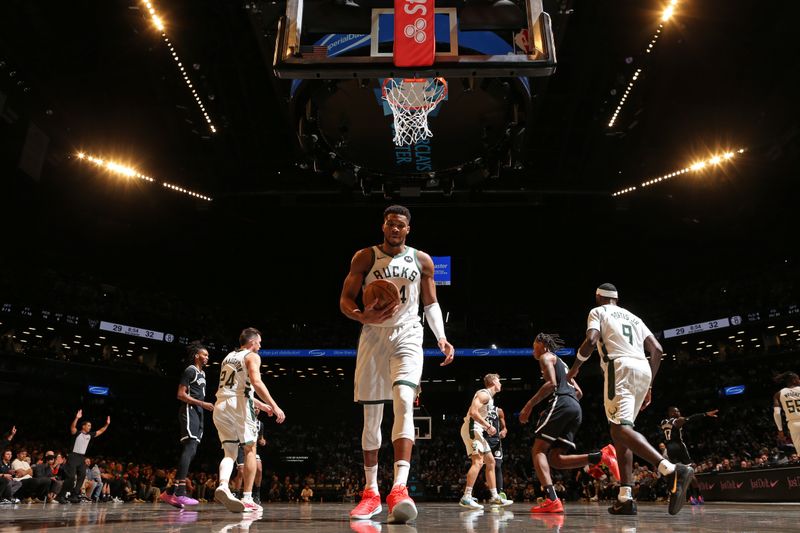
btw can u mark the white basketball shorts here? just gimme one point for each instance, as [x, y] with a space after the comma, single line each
[386, 357]
[235, 419]
[627, 380]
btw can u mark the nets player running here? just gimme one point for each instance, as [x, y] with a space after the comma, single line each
[622, 339]
[389, 360]
[235, 417]
[474, 430]
[788, 399]
[192, 394]
[558, 423]
[672, 427]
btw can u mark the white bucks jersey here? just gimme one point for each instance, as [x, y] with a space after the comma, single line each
[233, 377]
[404, 271]
[790, 401]
[622, 333]
[483, 411]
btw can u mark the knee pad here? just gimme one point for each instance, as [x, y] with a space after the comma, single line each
[371, 434]
[403, 403]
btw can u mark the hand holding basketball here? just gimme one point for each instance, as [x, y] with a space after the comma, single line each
[384, 291]
[381, 299]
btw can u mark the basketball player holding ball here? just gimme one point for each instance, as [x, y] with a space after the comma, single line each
[389, 360]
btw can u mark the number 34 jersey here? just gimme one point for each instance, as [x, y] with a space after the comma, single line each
[233, 378]
[404, 271]
[622, 333]
[790, 401]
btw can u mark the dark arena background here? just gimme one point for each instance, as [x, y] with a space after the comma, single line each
[174, 172]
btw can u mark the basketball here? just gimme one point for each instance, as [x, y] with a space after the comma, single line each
[385, 292]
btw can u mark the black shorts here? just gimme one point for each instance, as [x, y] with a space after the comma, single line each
[190, 419]
[678, 453]
[496, 445]
[559, 423]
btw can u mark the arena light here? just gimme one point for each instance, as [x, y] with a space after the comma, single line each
[714, 160]
[665, 16]
[130, 172]
[158, 23]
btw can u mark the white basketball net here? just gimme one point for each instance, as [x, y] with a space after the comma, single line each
[411, 100]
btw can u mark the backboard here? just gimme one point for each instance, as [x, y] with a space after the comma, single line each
[318, 39]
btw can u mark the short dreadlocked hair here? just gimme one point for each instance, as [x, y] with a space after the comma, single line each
[551, 341]
[786, 378]
[192, 349]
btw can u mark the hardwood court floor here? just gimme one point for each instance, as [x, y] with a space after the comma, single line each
[433, 517]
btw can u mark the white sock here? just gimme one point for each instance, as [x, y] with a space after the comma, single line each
[468, 492]
[665, 468]
[624, 494]
[225, 470]
[371, 475]
[247, 497]
[493, 493]
[401, 472]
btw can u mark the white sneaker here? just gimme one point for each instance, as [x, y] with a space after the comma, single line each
[469, 502]
[499, 502]
[252, 507]
[223, 495]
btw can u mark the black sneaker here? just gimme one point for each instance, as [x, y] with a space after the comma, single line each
[628, 508]
[680, 481]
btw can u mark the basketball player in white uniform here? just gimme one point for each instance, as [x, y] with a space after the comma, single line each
[235, 417]
[475, 425]
[621, 339]
[389, 361]
[788, 399]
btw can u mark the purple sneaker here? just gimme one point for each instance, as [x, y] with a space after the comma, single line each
[186, 500]
[170, 499]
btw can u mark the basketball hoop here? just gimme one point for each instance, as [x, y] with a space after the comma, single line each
[411, 99]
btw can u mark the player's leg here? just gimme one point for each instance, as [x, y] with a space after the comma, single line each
[406, 372]
[189, 450]
[476, 463]
[257, 480]
[371, 388]
[498, 469]
[227, 418]
[540, 453]
[249, 476]
[370, 503]
[627, 382]
[237, 481]
[249, 438]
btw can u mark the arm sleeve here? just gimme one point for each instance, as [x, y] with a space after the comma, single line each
[776, 415]
[433, 313]
[694, 417]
